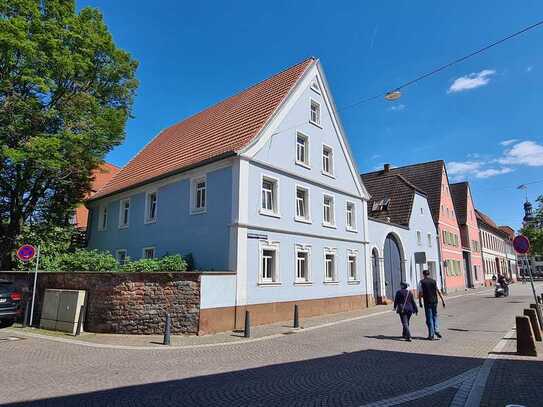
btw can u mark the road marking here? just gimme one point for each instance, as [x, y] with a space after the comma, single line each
[425, 392]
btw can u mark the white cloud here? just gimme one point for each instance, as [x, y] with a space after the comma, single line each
[529, 68]
[524, 153]
[491, 172]
[505, 143]
[397, 108]
[471, 81]
[459, 169]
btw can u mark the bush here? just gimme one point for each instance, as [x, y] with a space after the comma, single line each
[80, 260]
[166, 263]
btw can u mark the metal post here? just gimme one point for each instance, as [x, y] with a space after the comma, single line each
[168, 330]
[27, 313]
[80, 321]
[34, 289]
[538, 308]
[296, 317]
[247, 332]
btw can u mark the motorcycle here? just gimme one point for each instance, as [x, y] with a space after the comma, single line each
[500, 291]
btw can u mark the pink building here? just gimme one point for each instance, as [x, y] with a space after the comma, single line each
[431, 177]
[469, 234]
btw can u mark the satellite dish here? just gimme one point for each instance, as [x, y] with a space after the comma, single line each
[393, 95]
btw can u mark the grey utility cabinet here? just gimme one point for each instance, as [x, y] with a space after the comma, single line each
[61, 309]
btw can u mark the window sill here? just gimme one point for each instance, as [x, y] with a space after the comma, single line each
[123, 227]
[331, 282]
[198, 211]
[353, 282]
[302, 220]
[269, 283]
[268, 213]
[329, 225]
[302, 283]
[150, 221]
[302, 164]
[315, 124]
[328, 174]
[317, 91]
[351, 230]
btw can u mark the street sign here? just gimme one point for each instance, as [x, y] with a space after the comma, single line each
[26, 252]
[521, 244]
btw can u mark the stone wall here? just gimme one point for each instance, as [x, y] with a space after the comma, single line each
[125, 303]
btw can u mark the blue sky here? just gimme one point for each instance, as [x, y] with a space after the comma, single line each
[483, 117]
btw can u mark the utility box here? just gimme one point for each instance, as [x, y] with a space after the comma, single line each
[61, 310]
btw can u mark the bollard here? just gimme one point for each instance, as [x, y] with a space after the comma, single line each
[168, 330]
[247, 332]
[296, 323]
[525, 337]
[27, 314]
[80, 321]
[530, 313]
[537, 309]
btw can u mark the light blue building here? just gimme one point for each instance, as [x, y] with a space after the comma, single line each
[262, 185]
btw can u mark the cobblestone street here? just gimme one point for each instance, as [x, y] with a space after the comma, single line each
[354, 363]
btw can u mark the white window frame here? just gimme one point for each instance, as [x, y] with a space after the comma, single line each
[118, 252]
[299, 248]
[153, 248]
[319, 113]
[123, 225]
[332, 223]
[419, 238]
[330, 162]
[307, 218]
[429, 236]
[273, 246]
[275, 196]
[102, 226]
[334, 278]
[194, 210]
[352, 254]
[306, 163]
[315, 86]
[350, 228]
[147, 218]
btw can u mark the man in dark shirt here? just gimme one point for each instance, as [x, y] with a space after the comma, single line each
[429, 292]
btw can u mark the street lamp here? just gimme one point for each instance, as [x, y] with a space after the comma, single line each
[393, 95]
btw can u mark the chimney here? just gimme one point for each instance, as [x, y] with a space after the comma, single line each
[386, 168]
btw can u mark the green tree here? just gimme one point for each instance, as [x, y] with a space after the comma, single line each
[66, 92]
[535, 232]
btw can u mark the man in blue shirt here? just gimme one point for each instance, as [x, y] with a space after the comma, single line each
[429, 292]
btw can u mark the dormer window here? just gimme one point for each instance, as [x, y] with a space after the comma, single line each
[315, 116]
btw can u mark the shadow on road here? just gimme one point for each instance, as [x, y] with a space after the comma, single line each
[349, 379]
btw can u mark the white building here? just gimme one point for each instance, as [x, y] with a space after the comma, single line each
[403, 237]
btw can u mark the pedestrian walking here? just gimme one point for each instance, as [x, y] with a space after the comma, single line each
[405, 306]
[428, 292]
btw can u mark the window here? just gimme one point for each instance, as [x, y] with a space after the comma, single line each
[315, 86]
[269, 262]
[429, 240]
[455, 240]
[302, 204]
[328, 210]
[327, 160]
[351, 267]
[419, 238]
[150, 207]
[120, 255]
[269, 196]
[315, 116]
[302, 149]
[302, 265]
[124, 213]
[102, 224]
[329, 266]
[350, 216]
[199, 195]
[148, 252]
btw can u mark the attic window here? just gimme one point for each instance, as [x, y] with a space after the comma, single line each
[381, 205]
[315, 86]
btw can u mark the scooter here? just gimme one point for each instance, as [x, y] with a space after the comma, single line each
[500, 291]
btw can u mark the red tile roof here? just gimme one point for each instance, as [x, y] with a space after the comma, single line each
[485, 220]
[212, 134]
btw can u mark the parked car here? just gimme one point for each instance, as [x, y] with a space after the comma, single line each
[10, 303]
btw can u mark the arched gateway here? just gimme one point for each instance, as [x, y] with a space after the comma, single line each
[392, 265]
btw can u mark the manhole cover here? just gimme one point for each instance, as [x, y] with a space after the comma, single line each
[10, 338]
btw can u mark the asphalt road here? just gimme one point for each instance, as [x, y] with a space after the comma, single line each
[349, 364]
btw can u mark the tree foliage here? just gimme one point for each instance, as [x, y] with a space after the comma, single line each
[66, 92]
[534, 232]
